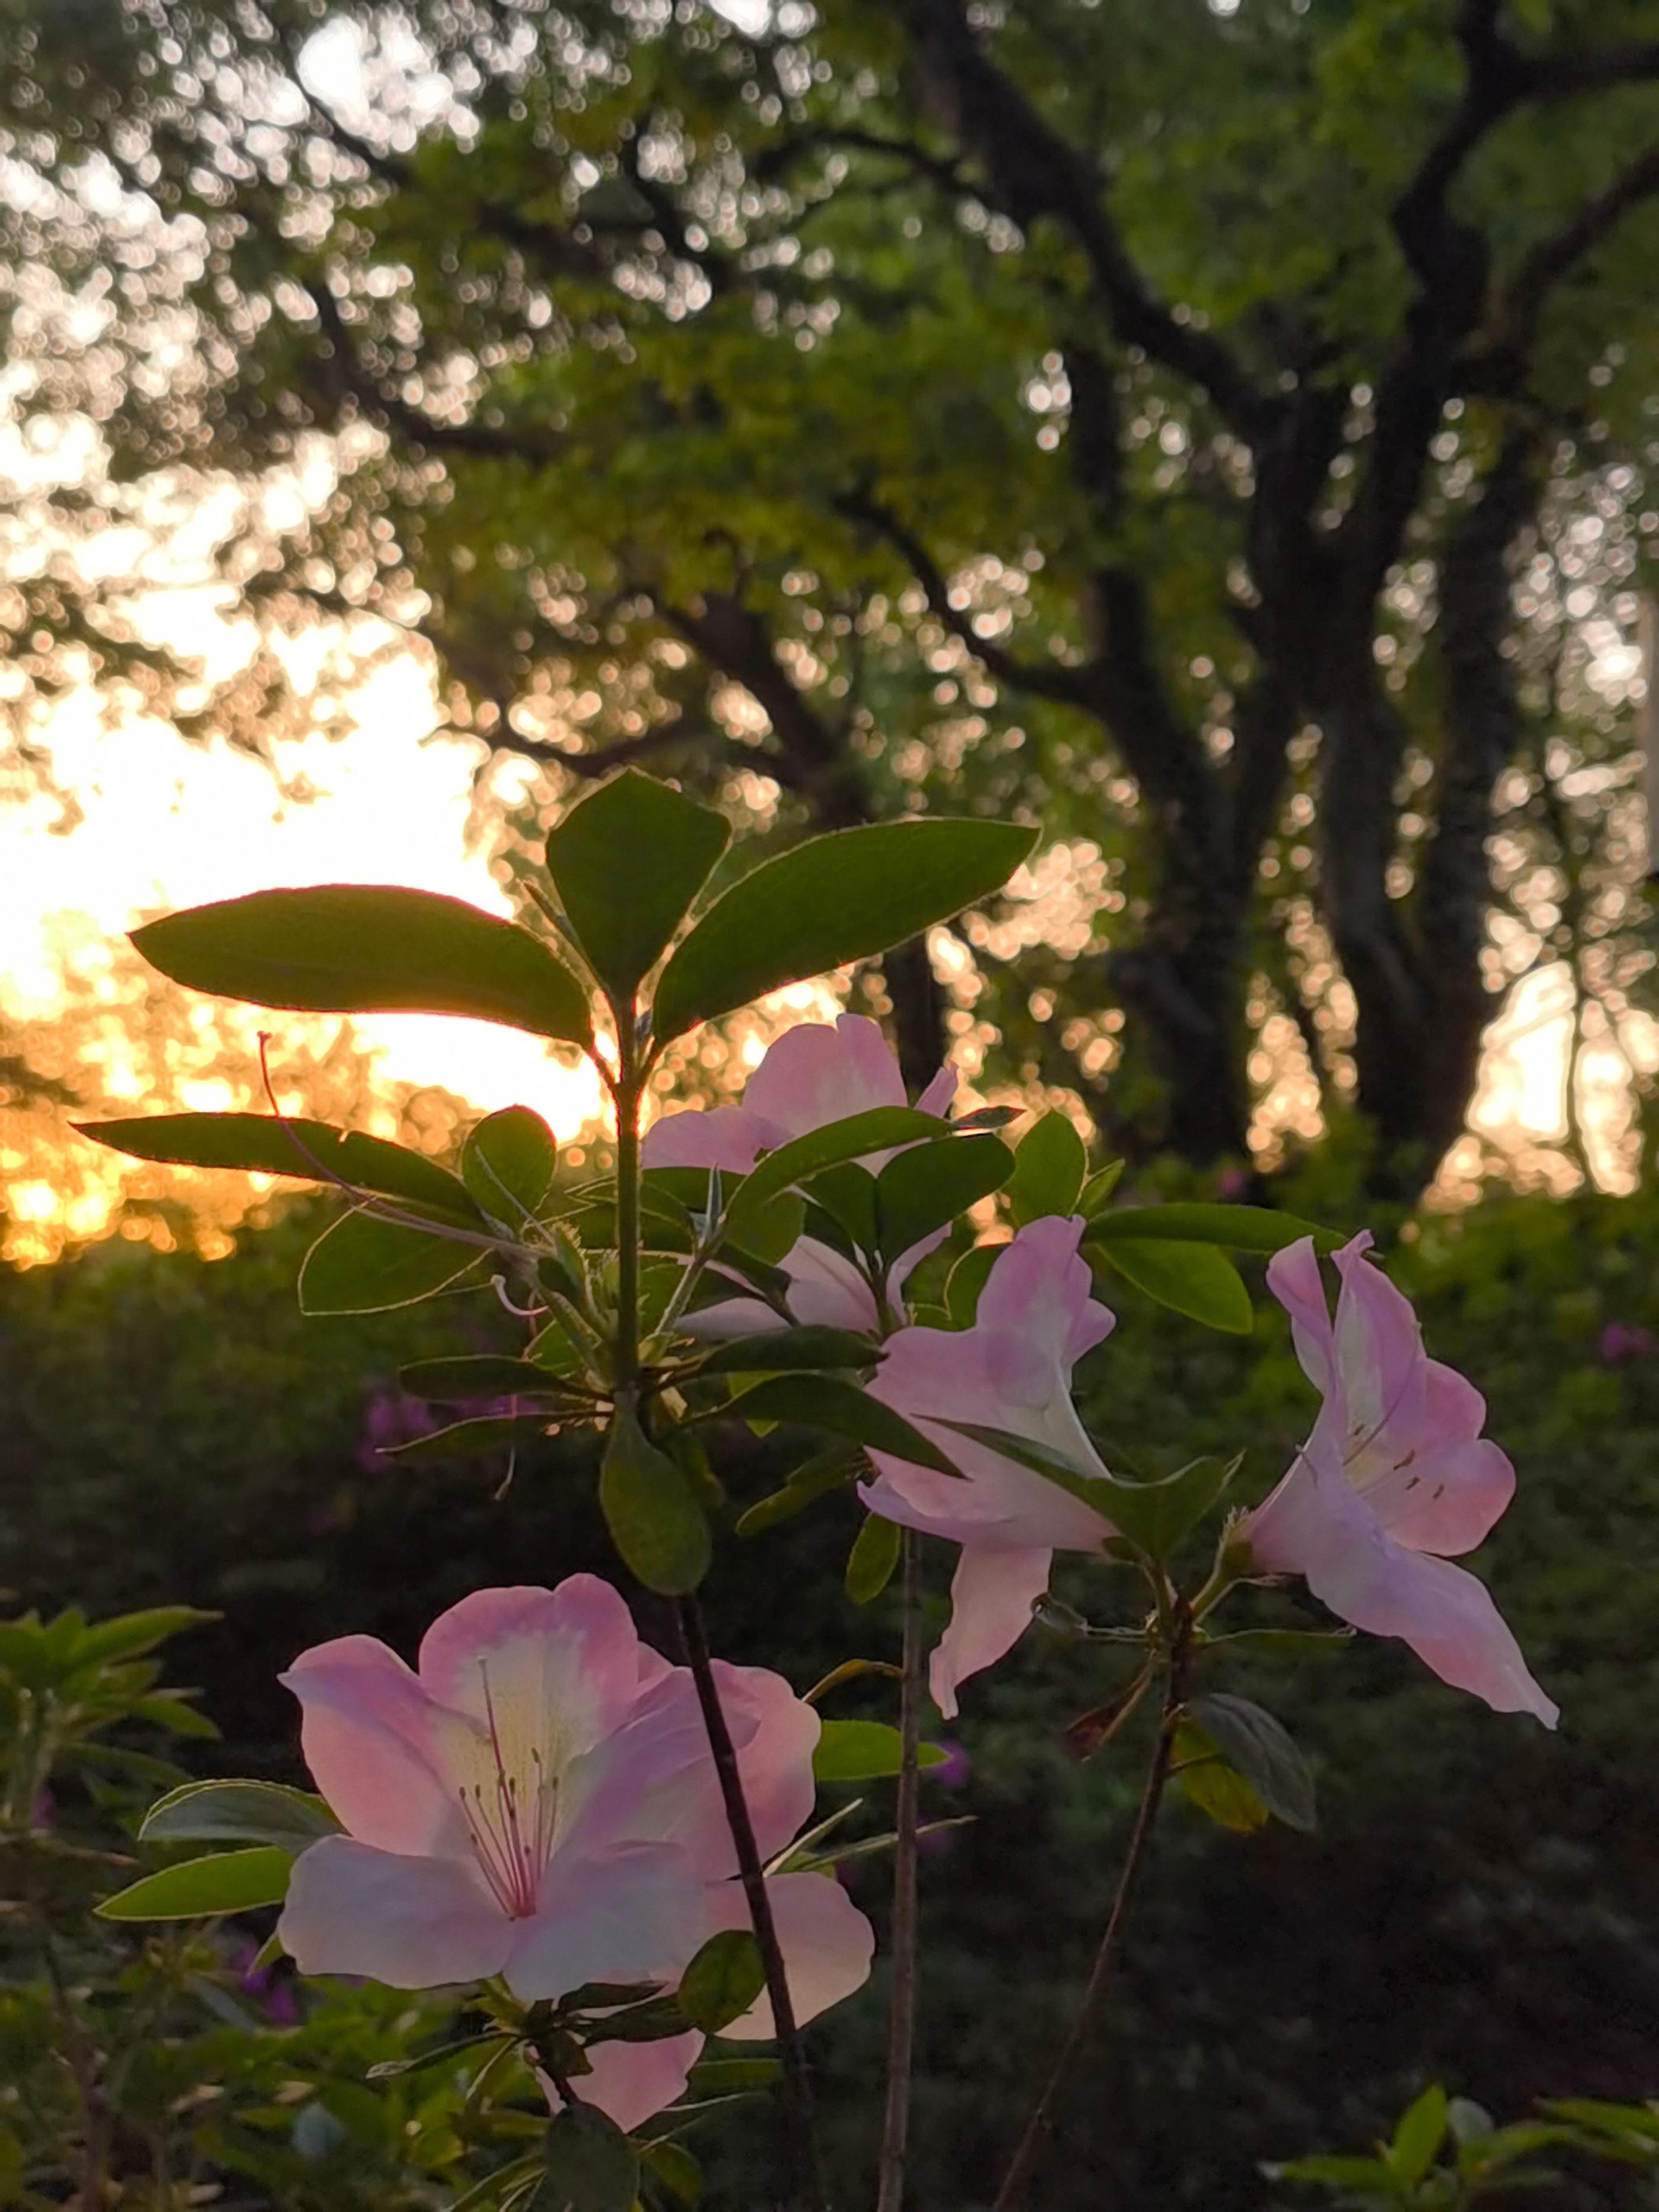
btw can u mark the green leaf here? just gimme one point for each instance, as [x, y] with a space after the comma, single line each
[393, 2069]
[1097, 1192]
[588, 2165]
[830, 1469]
[723, 1981]
[368, 949]
[676, 2168]
[1418, 2135]
[875, 1131]
[652, 1512]
[1095, 1489]
[202, 1889]
[732, 2077]
[778, 1350]
[478, 1375]
[828, 1401]
[831, 900]
[313, 1150]
[1261, 1749]
[236, 1812]
[866, 1751]
[846, 1193]
[1048, 1171]
[921, 1189]
[507, 1163]
[130, 1635]
[1203, 1775]
[874, 1556]
[484, 1432]
[967, 1278]
[1156, 1516]
[1244, 1228]
[1370, 2175]
[1194, 1279]
[626, 864]
[362, 1265]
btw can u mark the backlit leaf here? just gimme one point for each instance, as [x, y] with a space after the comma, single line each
[202, 1889]
[653, 1513]
[362, 1265]
[313, 1152]
[626, 864]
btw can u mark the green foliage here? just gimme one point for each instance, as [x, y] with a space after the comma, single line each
[627, 864]
[1049, 1169]
[363, 1264]
[652, 1511]
[722, 1982]
[507, 1162]
[1194, 1279]
[834, 899]
[865, 1751]
[310, 1150]
[370, 948]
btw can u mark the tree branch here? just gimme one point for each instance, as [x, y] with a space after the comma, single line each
[1068, 686]
[1032, 171]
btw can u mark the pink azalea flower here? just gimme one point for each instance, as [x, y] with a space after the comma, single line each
[1396, 1477]
[812, 1075]
[1011, 1370]
[538, 1800]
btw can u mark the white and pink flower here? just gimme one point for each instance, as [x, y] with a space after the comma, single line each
[812, 1075]
[537, 1800]
[1011, 1370]
[1394, 1480]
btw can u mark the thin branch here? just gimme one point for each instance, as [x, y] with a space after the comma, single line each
[1051, 681]
[811, 2186]
[1513, 322]
[902, 2014]
[1041, 2124]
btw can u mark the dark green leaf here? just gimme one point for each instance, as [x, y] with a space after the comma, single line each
[831, 1469]
[651, 1510]
[1243, 1228]
[360, 1265]
[507, 1162]
[235, 1812]
[1097, 1192]
[1048, 1171]
[921, 1189]
[653, 2019]
[676, 2168]
[484, 1432]
[627, 863]
[731, 2077]
[832, 899]
[478, 1375]
[1156, 1516]
[588, 2165]
[846, 1193]
[874, 1555]
[313, 1150]
[1259, 1749]
[967, 1278]
[202, 1889]
[393, 2069]
[723, 1981]
[875, 1131]
[986, 1117]
[1194, 1279]
[779, 1349]
[866, 1751]
[827, 1401]
[370, 948]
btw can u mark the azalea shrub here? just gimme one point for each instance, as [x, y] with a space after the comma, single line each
[611, 1854]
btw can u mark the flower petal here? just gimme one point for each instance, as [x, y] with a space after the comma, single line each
[992, 1594]
[1294, 1279]
[1036, 1297]
[371, 1739]
[630, 2081]
[1315, 1525]
[411, 1923]
[727, 1138]
[1457, 1483]
[544, 1674]
[827, 1945]
[636, 1914]
[937, 1098]
[814, 1074]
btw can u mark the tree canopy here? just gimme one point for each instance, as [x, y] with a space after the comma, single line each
[1215, 430]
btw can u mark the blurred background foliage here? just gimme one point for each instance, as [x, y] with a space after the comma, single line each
[1481, 1907]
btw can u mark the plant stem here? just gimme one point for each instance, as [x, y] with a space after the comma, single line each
[1040, 2126]
[625, 1092]
[901, 2015]
[810, 2188]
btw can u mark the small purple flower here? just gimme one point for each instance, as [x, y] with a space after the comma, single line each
[1619, 1341]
